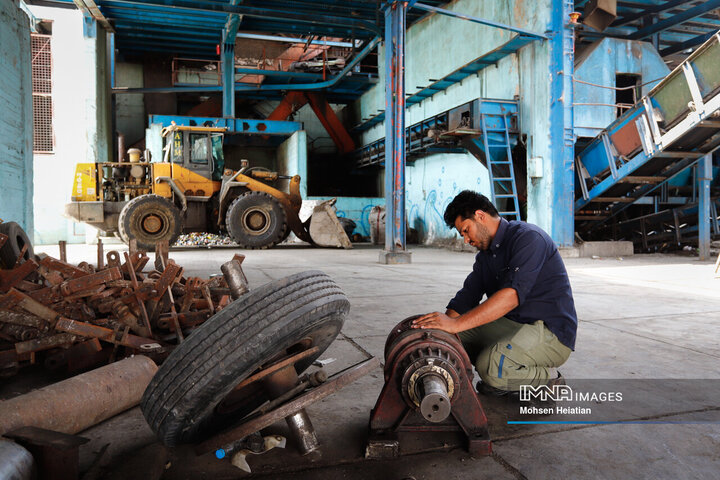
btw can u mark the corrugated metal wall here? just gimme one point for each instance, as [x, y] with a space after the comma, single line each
[16, 188]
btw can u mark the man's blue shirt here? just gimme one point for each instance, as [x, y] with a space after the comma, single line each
[523, 257]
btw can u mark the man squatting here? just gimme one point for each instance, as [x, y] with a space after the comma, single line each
[526, 328]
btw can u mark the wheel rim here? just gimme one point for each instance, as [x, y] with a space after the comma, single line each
[256, 220]
[152, 224]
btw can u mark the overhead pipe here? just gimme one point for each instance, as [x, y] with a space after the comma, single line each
[264, 88]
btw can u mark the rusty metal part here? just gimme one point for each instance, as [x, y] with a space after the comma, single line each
[277, 366]
[334, 383]
[11, 278]
[140, 303]
[32, 306]
[19, 332]
[80, 402]
[65, 269]
[100, 255]
[235, 277]
[17, 318]
[176, 322]
[86, 267]
[79, 356]
[89, 281]
[20, 257]
[108, 335]
[113, 258]
[62, 246]
[45, 343]
[428, 391]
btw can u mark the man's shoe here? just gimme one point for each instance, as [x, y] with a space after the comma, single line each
[559, 380]
[486, 389]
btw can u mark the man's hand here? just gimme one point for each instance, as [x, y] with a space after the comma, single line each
[437, 320]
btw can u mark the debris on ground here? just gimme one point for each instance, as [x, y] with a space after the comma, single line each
[79, 317]
[202, 239]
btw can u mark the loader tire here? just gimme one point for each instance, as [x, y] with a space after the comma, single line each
[183, 401]
[17, 239]
[256, 220]
[149, 219]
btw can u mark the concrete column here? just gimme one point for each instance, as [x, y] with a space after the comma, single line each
[704, 178]
[395, 247]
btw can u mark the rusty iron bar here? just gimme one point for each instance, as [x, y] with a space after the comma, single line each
[108, 335]
[176, 321]
[20, 257]
[44, 343]
[62, 245]
[76, 285]
[100, 255]
[332, 385]
[11, 278]
[62, 267]
[22, 319]
[140, 303]
[277, 366]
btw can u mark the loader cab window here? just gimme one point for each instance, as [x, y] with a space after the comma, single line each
[216, 142]
[199, 148]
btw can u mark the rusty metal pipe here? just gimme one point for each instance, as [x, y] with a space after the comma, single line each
[235, 278]
[80, 402]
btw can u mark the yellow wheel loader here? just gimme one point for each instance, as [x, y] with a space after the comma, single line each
[191, 191]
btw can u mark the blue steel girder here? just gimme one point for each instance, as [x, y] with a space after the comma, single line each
[234, 125]
[684, 16]
[395, 241]
[259, 12]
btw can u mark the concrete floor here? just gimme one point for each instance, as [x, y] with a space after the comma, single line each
[645, 320]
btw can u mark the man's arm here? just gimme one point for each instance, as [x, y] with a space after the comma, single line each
[500, 303]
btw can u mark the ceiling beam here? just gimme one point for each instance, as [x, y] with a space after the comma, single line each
[88, 7]
[670, 22]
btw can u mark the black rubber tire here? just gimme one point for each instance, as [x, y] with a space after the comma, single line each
[166, 225]
[256, 220]
[180, 402]
[17, 239]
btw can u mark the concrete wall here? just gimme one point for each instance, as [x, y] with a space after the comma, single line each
[129, 107]
[16, 118]
[435, 47]
[80, 121]
[599, 65]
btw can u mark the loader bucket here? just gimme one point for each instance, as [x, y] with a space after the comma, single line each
[325, 228]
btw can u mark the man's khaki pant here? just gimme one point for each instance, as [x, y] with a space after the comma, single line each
[508, 354]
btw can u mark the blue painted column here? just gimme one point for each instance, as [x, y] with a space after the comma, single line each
[704, 179]
[562, 141]
[227, 57]
[395, 246]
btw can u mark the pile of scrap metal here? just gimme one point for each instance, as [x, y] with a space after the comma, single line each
[82, 316]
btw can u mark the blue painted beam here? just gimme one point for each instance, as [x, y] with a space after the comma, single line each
[317, 19]
[688, 14]
[234, 125]
[687, 44]
[562, 142]
[227, 59]
[395, 241]
[705, 176]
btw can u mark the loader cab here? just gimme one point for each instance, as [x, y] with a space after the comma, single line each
[199, 149]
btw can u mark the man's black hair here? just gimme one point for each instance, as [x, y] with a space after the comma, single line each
[465, 204]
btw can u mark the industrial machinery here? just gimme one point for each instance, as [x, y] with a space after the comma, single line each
[190, 191]
[428, 393]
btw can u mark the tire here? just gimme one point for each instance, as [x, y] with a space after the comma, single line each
[182, 402]
[17, 239]
[149, 219]
[256, 220]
